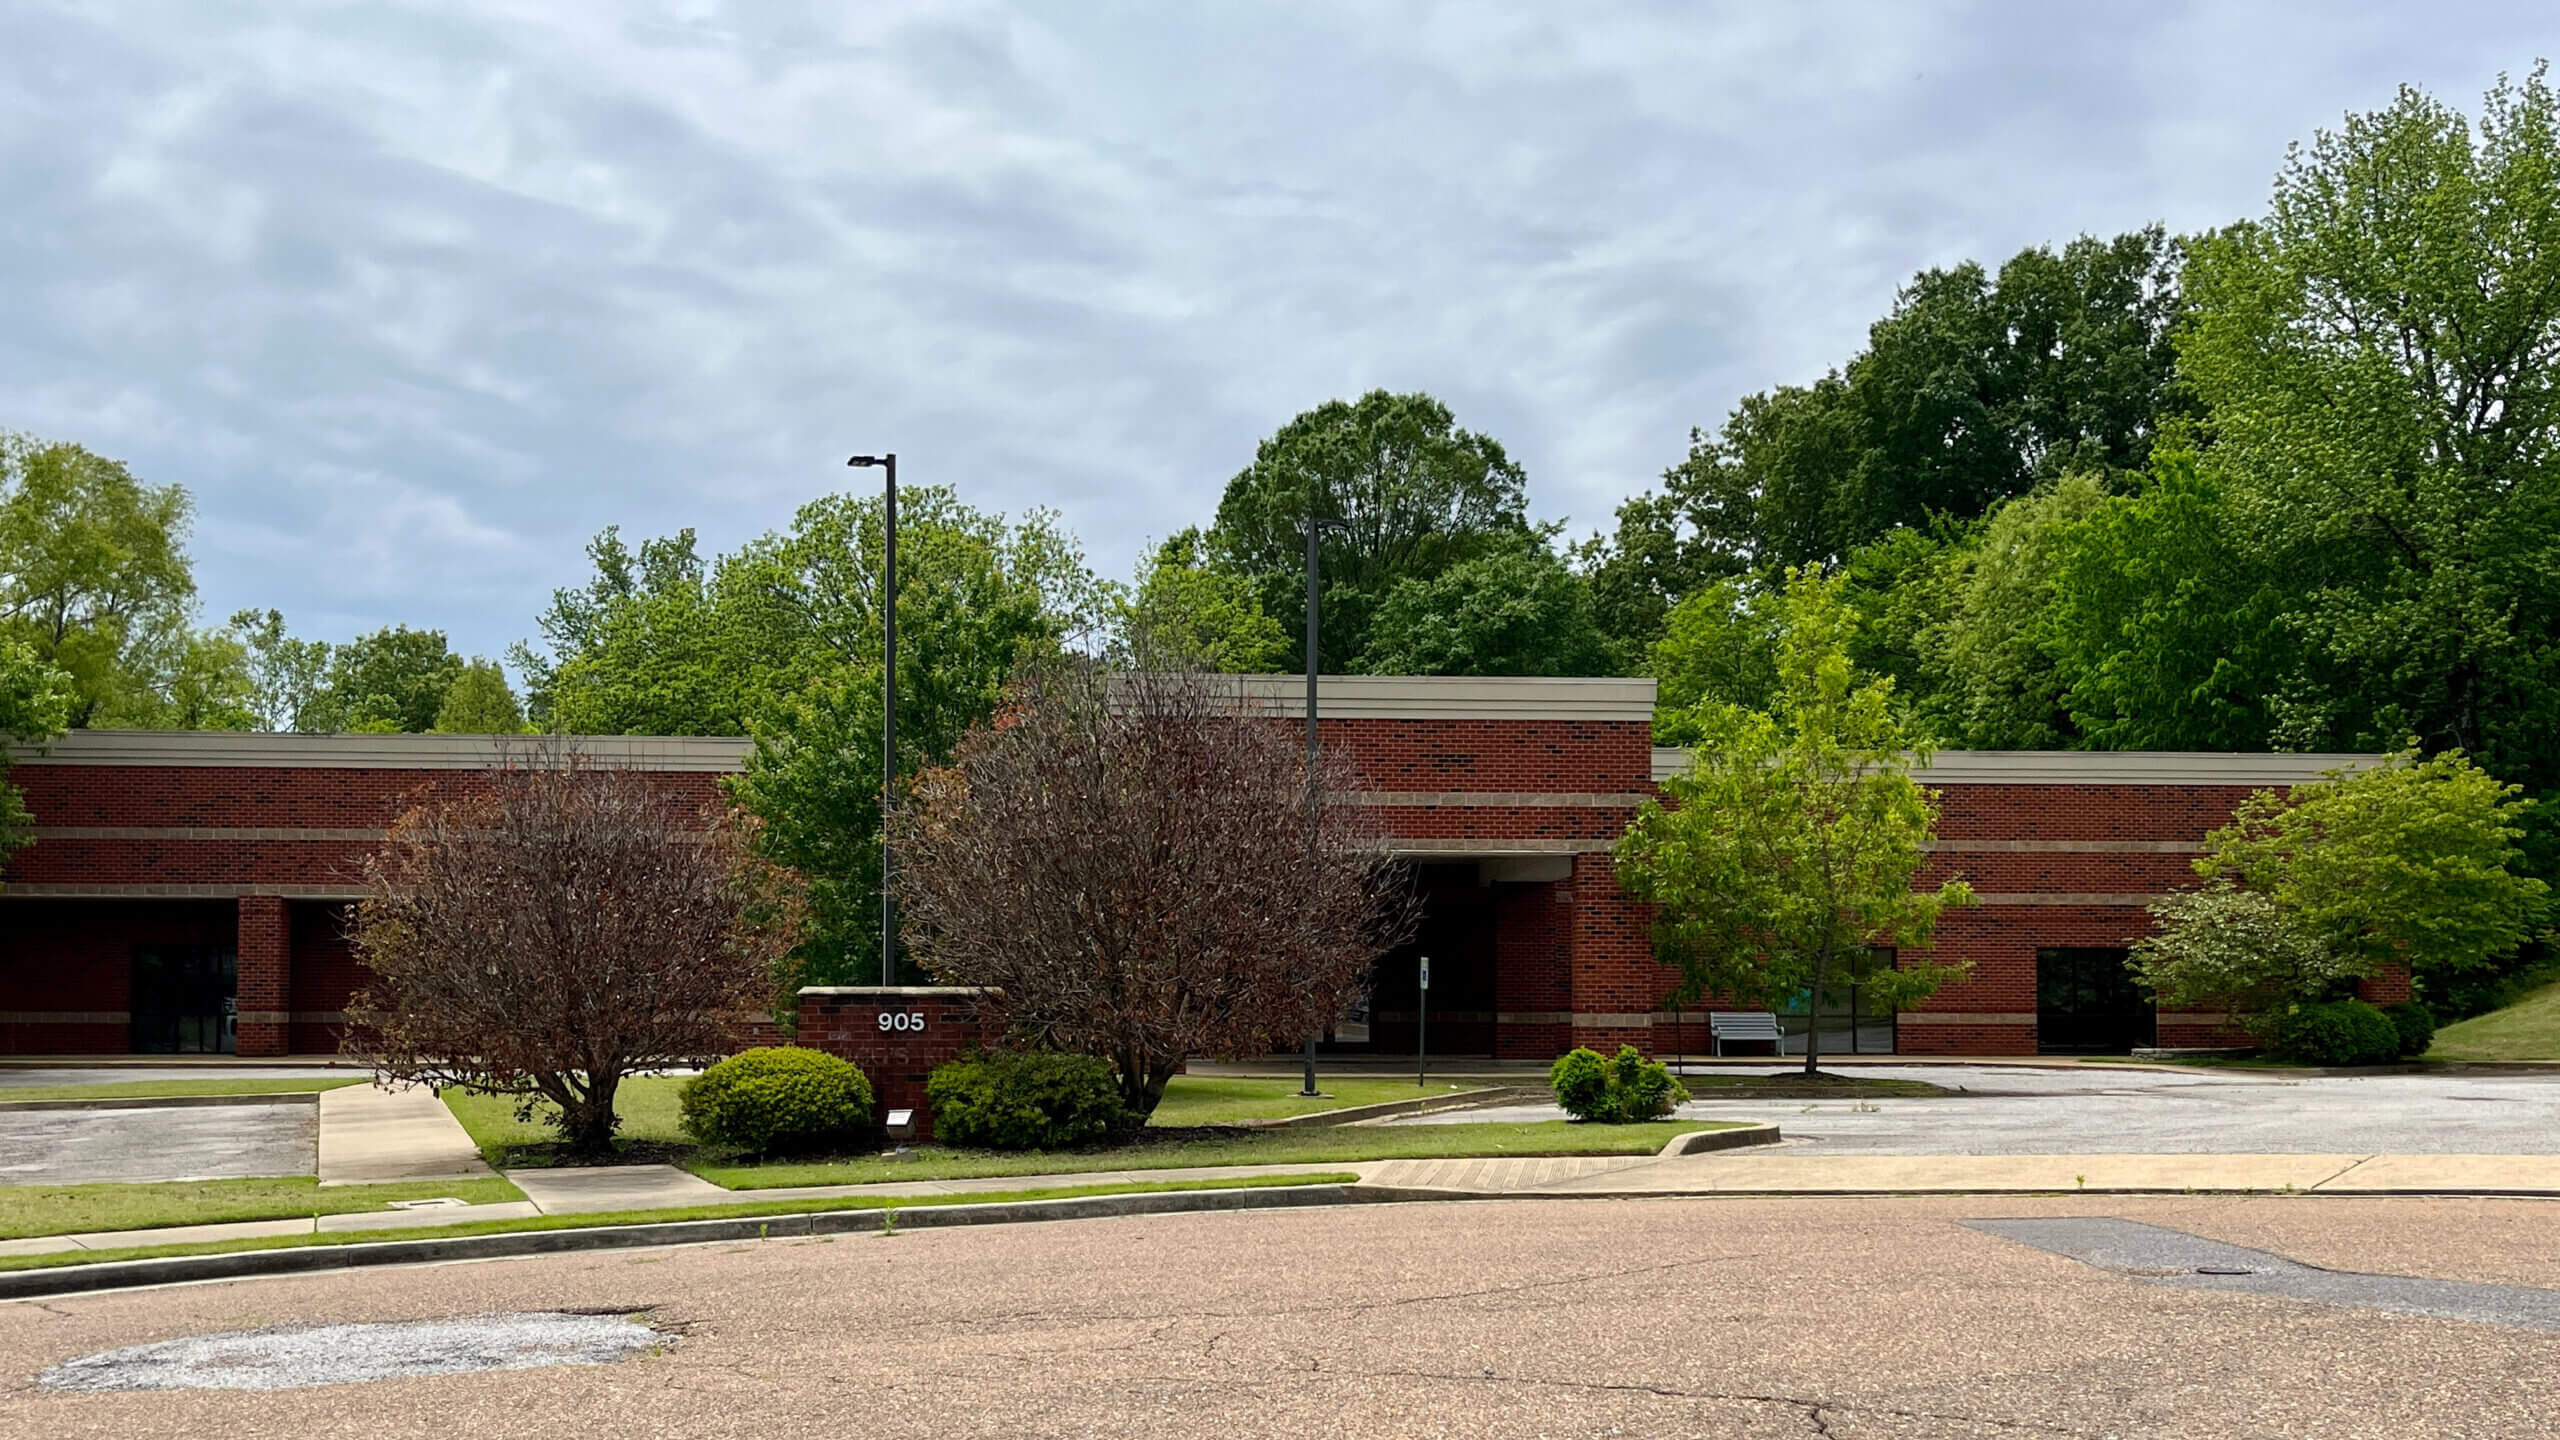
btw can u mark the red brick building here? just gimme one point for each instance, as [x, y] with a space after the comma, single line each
[179, 877]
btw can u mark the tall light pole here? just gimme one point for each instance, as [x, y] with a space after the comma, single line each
[1315, 816]
[888, 709]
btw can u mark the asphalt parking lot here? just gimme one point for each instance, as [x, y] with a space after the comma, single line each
[2101, 1110]
[1851, 1319]
[139, 1143]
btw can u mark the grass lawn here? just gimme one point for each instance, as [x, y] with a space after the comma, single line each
[164, 1089]
[1325, 1145]
[647, 1105]
[70, 1209]
[2526, 1030]
[1224, 1100]
[52, 1259]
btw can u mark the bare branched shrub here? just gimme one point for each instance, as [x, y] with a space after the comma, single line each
[1131, 860]
[550, 927]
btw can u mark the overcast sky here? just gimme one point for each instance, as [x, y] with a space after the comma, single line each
[417, 297]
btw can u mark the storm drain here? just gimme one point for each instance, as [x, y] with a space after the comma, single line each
[348, 1354]
[2161, 1256]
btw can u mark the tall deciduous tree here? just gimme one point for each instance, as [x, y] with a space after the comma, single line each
[1514, 611]
[93, 575]
[548, 929]
[480, 702]
[1415, 494]
[1185, 606]
[391, 681]
[2379, 360]
[1131, 860]
[35, 705]
[1791, 844]
[288, 677]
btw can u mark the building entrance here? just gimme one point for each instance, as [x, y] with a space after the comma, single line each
[2087, 1003]
[1457, 933]
[184, 999]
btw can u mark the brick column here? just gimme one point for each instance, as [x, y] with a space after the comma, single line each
[266, 976]
[1532, 972]
[1616, 984]
[896, 1033]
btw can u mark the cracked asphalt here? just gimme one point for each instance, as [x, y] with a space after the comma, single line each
[1747, 1318]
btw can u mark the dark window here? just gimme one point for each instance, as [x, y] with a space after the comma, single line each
[1851, 1023]
[2087, 1003]
[183, 999]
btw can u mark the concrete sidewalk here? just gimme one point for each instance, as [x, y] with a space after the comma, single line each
[369, 1134]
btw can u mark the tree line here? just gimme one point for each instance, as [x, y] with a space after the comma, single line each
[2286, 484]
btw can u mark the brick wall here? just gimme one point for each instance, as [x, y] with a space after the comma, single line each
[266, 969]
[845, 1021]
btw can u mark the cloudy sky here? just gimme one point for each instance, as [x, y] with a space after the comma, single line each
[416, 297]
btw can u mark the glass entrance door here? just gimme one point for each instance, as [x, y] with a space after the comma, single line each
[2087, 1003]
[184, 999]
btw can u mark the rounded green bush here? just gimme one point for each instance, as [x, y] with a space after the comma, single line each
[1026, 1100]
[1621, 1090]
[2416, 1024]
[2333, 1032]
[779, 1100]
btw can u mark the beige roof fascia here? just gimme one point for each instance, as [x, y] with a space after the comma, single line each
[242, 749]
[2101, 767]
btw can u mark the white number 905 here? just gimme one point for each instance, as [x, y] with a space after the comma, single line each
[901, 1019]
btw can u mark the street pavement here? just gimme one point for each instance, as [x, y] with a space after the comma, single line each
[1847, 1318]
[2097, 1109]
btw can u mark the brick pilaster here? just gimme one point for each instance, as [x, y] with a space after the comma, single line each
[266, 976]
[1616, 984]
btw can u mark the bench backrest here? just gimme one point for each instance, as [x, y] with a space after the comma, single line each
[1743, 1024]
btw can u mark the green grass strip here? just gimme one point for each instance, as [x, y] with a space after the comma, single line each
[174, 1089]
[748, 1210]
[31, 1210]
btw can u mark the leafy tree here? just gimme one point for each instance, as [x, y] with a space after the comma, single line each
[288, 678]
[1791, 845]
[391, 681]
[2166, 631]
[1129, 862]
[35, 706]
[1906, 586]
[480, 702]
[1184, 606]
[2003, 692]
[204, 683]
[547, 930]
[2239, 952]
[2376, 359]
[2413, 862]
[1415, 493]
[1517, 611]
[1718, 652]
[93, 575]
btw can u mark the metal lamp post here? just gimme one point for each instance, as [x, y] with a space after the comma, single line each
[888, 709]
[1315, 531]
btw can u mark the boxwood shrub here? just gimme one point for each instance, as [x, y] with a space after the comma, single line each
[2417, 1027]
[1620, 1090]
[1026, 1100]
[779, 1100]
[2332, 1032]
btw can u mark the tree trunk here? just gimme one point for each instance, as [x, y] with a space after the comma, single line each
[587, 1124]
[1813, 1013]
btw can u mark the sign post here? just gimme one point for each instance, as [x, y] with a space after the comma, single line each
[1422, 1025]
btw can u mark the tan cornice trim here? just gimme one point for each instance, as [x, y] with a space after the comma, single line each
[1494, 849]
[2031, 897]
[1962, 1017]
[48, 891]
[1610, 700]
[2064, 847]
[65, 1017]
[1499, 799]
[226, 749]
[309, 834]
[2100, 767]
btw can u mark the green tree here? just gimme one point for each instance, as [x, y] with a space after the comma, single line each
[1718, 652]
[93, 576]
[1791, 844]
[287, 677]
[35, 705]
[1212, 618]
[203, 682]
[2002, 690]
[2377, 362]
[1415, 495]
[391, 681]
[2240, 952]
[2412, 862]
[480, 702]
[1517, 611]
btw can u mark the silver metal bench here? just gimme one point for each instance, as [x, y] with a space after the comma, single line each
[1755, 1025]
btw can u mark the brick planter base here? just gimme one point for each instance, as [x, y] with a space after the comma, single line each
[896, 1033]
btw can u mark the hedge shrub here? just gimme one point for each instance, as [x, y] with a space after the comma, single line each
[2417, 1027]
[2333, 1032]
[779, 1100]
[1026, 1100]
[1617, 1091]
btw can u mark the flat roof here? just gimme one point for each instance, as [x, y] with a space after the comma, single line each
[1456, 697]
[254, 749]
[2103, 767]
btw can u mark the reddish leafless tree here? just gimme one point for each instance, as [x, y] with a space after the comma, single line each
[553, 926]
[1131, 862]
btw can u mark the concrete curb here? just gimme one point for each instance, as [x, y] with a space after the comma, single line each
[1699, 1142]
[302, 1260]
[168, 1102]
[1353, 1114]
